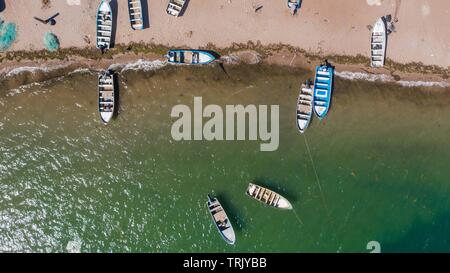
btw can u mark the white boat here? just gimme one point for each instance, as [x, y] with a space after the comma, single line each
[305, 106]
[378, 43]
[136, 15]
[175, 7]
[268, 197]
[104, 25]
[221, 220]
[106, 96]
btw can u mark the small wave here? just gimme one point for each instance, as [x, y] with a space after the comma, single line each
[33, 69]
[140, 64]
[387, 78]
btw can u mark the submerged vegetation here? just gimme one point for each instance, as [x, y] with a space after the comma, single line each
[51, 42]
[7, 35]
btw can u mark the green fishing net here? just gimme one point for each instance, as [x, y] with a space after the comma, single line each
[51, 42]
[7, 35]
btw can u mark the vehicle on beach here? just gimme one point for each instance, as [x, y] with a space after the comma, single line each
[294, 5]
[189, 56]
[378, 43]
[323, 88]
[106, 95]
[221, 220]
[175, 7]
[268, 197]
[305, 106]
[136, 16]
[104, 25]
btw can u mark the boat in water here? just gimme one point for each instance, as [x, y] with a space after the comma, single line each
[175, 7]
[136, 16]
[190, 56]
[305, 106]
[106, 95]
[294, 5]
[378, 43]
[268, 197]
[323, 88]
[104, 25]
[221, 220]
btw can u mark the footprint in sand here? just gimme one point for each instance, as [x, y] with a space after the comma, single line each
[426, 10]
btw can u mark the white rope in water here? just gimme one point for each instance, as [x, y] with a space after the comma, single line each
[315, 172]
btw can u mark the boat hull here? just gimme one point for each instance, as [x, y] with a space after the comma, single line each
[175, 7]
[268, 197]
[106, 96]
[218, 214]
[104, 25]
[304, 107]
[323, 88]
[136, 14]
[190, 56]
[378, 43]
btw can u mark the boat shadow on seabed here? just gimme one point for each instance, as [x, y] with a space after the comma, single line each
[2, 5]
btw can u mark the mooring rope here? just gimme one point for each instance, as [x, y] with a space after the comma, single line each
[315, 172]
[298, 217]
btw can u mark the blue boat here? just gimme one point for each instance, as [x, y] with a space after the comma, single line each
[136, 16]
[294, 5]
[104, 25]
[190, 56]
[323, 87]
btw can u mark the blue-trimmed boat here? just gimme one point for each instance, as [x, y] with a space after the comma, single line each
[323, 88]
[104, 25]
[294, 5]
[189, 56]
[136, 16]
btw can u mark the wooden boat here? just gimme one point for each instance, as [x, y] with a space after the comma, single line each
[268, 197]
[221, 220]
[323, 87]
[304, 106]
[106, 96]
[104, 25]
[378, 43]
[294, 5]
[190, 56]
[136, 16]
[175, 7]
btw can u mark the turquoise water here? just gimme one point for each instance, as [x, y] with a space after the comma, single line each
[381, 156]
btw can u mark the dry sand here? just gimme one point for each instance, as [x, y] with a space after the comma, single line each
[321, 26]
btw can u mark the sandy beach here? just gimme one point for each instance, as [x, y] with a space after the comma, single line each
[321, 27]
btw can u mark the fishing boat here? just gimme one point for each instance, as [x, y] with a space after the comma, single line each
[378, 43]
[106, 95]
[304, 106]
[136, 16]
[190, 56]
[294, 5]
[104, 25]
[268, 197]
[323, 87]
[175, 7]
[221, 220]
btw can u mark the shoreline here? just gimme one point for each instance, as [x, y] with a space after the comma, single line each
[44, 65]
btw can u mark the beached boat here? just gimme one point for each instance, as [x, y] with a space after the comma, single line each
[294, 5]
[378, 43]
[323, 87]
[221, 220]
[268, 197]
[175, 7]
[136, 16]
[106, 95]
[304, 106]
[190, 56]
[104, 25]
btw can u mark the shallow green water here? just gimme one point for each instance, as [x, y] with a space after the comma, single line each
[382, 157]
